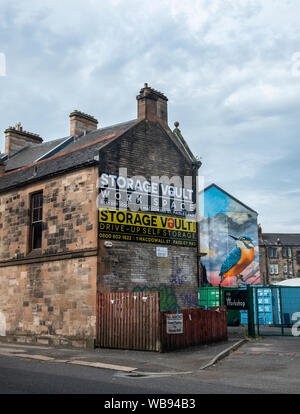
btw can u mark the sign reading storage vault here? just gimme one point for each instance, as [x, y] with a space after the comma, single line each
[146, 228]
[138, 194]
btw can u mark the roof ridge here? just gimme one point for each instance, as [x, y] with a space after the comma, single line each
[62, 154]
[283, 234]
[228, 194]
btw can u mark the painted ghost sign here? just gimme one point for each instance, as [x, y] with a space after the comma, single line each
[229, 237]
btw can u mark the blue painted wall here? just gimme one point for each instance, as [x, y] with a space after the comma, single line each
[224, 215]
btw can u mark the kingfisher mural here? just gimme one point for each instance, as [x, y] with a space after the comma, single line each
[239, 259]
[228, 240]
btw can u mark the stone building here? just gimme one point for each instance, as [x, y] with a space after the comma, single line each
[279, 256]
[59, 246]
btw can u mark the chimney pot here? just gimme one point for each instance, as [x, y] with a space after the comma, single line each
[2, 166]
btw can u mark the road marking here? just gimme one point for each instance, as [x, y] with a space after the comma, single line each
[11, 350]
[145, 375]
[38, 357]
[13, 345]
[101, 365]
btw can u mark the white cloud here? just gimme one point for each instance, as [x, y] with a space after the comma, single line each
[225, 65]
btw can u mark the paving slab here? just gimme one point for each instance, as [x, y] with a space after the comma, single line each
[189, 359]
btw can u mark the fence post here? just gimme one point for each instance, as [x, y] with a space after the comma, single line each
[251, 324]
[281, 313]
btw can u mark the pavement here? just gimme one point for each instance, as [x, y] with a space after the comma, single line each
[269, 364]
[179, 361]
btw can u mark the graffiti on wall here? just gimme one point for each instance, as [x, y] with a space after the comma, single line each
[168, 300]
[229, 238]
[178, 278]
[189, 300]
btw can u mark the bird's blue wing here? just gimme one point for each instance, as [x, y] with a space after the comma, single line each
[231, 260]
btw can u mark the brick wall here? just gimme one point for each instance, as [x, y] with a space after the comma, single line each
[148, 151]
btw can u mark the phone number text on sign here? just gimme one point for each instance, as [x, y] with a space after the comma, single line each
[146, 228]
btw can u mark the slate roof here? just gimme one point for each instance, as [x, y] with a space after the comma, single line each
[28, 164]
[286, 239]
[32, 153]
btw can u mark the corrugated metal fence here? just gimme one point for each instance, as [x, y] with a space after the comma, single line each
[134, 321]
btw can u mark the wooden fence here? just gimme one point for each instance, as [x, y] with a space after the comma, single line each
[199, 327]
[134, 321]
[128, 321]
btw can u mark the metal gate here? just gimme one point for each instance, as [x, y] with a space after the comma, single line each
[128, 321]
[273, 311]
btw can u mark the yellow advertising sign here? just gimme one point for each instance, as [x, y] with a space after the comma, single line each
[147, 228]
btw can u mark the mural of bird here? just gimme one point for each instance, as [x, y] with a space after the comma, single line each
[237, 260]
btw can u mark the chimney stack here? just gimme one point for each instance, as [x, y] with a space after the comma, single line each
[80, 123]
[260, 236]
[2, 166]
[152, 105]
[16, 139]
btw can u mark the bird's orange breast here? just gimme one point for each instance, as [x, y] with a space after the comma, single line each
[246, 259]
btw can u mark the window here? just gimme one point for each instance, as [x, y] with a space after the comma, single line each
[274, 269]
[298, 258]
[285, 268]
[286, 252]
[272, 252]
[36, 217]
[291, 269]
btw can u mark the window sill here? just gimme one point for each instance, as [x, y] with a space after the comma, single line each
[34, 253]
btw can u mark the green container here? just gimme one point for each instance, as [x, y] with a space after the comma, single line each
[208, 296]
[233, 317]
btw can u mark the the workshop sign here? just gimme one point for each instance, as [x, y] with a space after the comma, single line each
[147, 228]
[236, 299]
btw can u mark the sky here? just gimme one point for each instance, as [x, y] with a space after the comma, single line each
[230, 69]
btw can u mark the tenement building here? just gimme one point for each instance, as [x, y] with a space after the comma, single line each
[279, 256]
[100, 210]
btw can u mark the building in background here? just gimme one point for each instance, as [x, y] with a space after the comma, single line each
[228, 240]
[279, 256]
